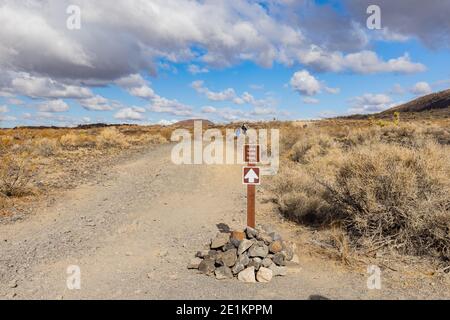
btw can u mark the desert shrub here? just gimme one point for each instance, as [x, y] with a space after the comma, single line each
[155, 139]
[299, 196]
[16, 172]
[73, 141]
[46, 147]
[111, 138]
[310, 147]
[386, 186]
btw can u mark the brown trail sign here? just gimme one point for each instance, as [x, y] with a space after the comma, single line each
[251, 177]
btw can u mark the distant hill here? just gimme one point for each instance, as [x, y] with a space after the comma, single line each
[190, 122]
[439, 100]
[429, 106]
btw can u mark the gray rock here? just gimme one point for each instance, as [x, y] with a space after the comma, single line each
[251, 233]
[264, 237]
[194, 263]
[255, 262]
[244, 245]
[228, 258]
[278, 271]
[220, 240]
[264, 275]
[275, 236]
[238, 267]
[235, 242]
[247, 275]
[276, 246]
[228, 246]
[212, 254]
[207, 266]
[223, 273]
[243, 259]
[279, 259]
[202, 253]
[258, 251]
[288, 250]
[266, 262]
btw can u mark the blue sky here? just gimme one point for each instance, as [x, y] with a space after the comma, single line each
[164, 61]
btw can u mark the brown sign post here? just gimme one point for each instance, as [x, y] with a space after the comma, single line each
[251, 177]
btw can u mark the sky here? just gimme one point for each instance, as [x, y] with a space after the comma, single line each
[74, 62]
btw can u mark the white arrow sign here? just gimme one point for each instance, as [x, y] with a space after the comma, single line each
[251, 175]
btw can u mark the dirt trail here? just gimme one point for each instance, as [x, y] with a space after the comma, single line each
[133, 232]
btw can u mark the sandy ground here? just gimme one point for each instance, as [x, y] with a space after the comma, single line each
[135, 226]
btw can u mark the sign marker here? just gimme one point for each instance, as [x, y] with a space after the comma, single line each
[251, 176]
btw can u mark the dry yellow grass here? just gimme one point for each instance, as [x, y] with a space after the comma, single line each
[384, 186]
[27, 152]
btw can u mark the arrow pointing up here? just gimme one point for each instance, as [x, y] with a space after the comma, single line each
[251, 176]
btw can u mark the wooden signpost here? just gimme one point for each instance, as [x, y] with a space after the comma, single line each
[251, 177]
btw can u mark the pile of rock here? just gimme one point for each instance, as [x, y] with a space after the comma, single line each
[251, 255]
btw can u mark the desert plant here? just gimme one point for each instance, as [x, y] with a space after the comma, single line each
[45, 147]
[111, 138]
[16, 172]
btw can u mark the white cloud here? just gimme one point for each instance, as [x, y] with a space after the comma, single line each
[7, 118]
[229, 94]
[53, 106]
[163, 105]
[363, 62]
[209, 109]
[310, 100]
[4, 109]
[370, 103]
[15, 101]
[43, 87]
[165, 122]
[97, 103]
[304, 83]
[195, 69]
[134, 114]
[421, 88]
[332, 90]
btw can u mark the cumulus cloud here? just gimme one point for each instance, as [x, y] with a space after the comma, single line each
[133, 114]
[195, 69]
[4, 109]
[53, 106]
[98, 103]
[428, 22]
[305, 83]
[370, 103]
[165, 122]
[42, 87]
[173, 107]
[116, 41]
[310, 100]
[230, 94]
[421, 88]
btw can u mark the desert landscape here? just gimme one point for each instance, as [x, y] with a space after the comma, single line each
[213, 152]
[350, 193]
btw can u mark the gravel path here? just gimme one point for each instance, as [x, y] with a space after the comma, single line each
[132, 233]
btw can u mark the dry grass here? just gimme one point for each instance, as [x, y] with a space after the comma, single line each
[33, 157]
[383, 186]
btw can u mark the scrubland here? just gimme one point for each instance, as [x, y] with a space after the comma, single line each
[36, 161]
[373, 187]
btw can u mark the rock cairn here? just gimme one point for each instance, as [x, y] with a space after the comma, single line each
[250, 256]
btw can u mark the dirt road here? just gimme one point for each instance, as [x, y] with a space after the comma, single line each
[132, 231]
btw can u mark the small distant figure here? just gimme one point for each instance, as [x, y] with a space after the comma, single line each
[244, 128]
